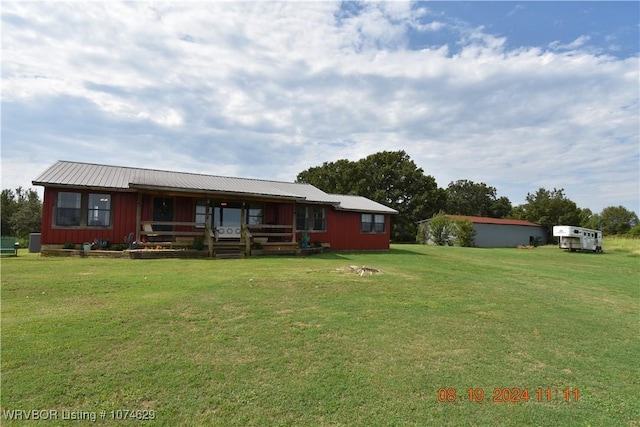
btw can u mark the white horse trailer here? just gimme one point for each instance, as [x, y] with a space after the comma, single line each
[578, 238]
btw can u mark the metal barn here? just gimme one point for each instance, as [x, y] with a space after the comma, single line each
[504, 233]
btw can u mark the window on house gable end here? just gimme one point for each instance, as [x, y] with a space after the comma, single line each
[99, 210]
[372, 223]
[68, 209]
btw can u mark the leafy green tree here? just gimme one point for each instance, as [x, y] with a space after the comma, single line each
[388, 177]
[422, 235]
[466, 197]
[617, 220]
[332, 177]
[439, 230]
[635, 231]
[21, 212]
[589, 220]
[501, 207]
[548, 208]
[8, 207]
[464, 232]
[442, 230]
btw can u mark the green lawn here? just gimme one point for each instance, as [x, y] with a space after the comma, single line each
[304, 342]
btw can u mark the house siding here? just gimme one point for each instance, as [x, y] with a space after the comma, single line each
[134, 192]
[343, 233]
[123, 220]
[343, 227]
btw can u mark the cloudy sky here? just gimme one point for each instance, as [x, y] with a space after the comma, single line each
[518, 95]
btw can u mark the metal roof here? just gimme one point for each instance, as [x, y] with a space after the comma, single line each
[499, 221]
[95, 176]
[361, 204]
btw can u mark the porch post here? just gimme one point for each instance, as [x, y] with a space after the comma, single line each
[207, 229]
[293, 225]
[138, 217]
[206, 211]
[244, 231]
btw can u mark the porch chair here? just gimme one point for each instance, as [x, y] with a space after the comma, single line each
[152, 236]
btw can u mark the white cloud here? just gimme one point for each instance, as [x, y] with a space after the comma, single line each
[576, 44]
[269, 89]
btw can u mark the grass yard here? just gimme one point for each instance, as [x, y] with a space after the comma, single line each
[304, 342]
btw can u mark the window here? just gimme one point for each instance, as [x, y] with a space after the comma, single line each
[255, 214]
[372, 223]
[201, 213]
[68, 209]
[311, 218]
[99, 210]
[82, 209]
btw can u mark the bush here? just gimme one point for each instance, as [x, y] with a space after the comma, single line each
[443, 230]
[464, 232]
[635, 231]
[68, 245]
[197, 244]
[439, 230]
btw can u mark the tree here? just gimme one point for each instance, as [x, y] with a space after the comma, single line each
[589, 220]
[8, 207]
[635, 231]
[548, 208]
[464, 232]
[438, 230]
[466, 197]
[442, 230]
[388, 177]
[21, 212]
[617, 220]
[332, 177]
[502, 207]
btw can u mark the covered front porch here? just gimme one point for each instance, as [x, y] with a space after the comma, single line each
[223, 226]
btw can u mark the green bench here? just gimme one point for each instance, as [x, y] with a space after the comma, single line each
[8, 245]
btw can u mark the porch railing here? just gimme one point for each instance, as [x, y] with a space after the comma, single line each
[271, 230]
[157, 235]
[274, 234]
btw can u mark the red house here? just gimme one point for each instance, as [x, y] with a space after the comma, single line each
[84, 202]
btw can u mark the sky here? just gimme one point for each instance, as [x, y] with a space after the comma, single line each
[516, 95]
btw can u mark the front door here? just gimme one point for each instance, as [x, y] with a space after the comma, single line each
[162, 211]
[228, 219]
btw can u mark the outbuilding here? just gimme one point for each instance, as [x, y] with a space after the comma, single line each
[501, 232]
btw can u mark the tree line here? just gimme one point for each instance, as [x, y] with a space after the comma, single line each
[393, 179]
[20, 212]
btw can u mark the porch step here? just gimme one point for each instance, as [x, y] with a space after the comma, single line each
[229, 252]
[238, 255]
